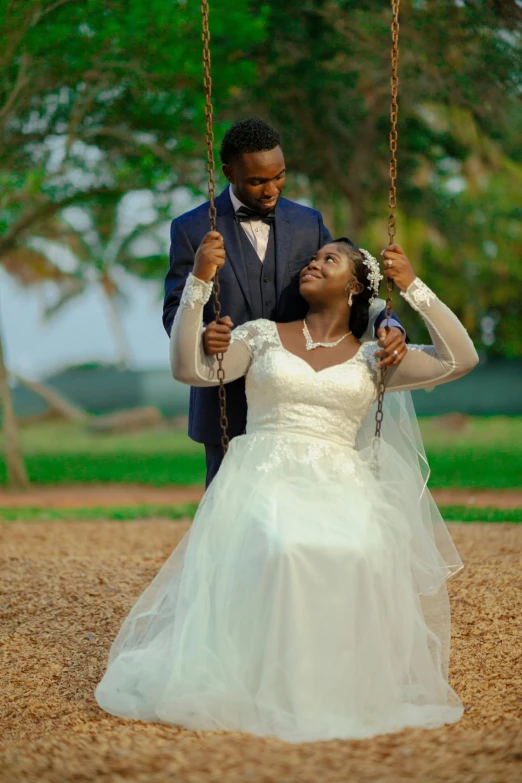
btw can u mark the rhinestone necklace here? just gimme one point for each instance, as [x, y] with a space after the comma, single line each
[310, 345]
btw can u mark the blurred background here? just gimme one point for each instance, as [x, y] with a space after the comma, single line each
[102, 128]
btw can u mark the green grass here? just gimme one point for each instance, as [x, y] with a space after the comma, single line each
[64, 438]
[472, 514]
[61, 453]
[184, 511]
[487, 454]
[453, 469]
[115, 513]
[480, 432]
[158, 470]
[484, 432]
[476, 469]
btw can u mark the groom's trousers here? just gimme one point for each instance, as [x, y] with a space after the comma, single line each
[214, 458]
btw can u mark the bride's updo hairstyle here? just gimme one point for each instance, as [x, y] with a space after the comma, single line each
[360, 312]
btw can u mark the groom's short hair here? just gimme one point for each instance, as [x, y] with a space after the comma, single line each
[250, 135]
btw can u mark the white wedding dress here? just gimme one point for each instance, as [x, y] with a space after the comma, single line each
[308, 599]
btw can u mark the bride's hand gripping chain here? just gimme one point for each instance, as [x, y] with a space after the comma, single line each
[393, 346]
[210, 258]
[397, 266]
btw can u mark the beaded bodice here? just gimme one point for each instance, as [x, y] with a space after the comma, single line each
[285, 393]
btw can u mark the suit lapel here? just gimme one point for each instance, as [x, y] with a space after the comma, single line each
[283, 242]
[229, 229]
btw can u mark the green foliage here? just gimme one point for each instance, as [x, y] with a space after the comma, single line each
[100, 98]
[97, 99]
[324, 80]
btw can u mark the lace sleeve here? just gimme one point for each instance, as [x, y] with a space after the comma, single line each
[188, 361]
[259, 336]
[195, 291]
[246, 334]
[418, 295]
[451, 355]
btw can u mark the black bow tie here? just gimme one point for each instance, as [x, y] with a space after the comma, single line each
[245, 213]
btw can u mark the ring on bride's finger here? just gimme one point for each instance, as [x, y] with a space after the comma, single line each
[396, 353]
[390, 262]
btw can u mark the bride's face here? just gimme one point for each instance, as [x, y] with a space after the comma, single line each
[327, 274]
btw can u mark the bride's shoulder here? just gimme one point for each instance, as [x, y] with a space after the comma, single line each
[256, 333]
[367, 353]
[368, 347]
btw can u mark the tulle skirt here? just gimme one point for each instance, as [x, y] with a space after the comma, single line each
[307, 602]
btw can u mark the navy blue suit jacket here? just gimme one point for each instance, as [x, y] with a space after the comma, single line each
[299, 233]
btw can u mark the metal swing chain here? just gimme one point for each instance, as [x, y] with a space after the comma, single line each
[392, 196]
[207, 86]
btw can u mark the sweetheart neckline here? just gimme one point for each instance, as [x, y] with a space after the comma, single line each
[316, 372]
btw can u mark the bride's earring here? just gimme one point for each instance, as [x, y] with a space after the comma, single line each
[350, 299]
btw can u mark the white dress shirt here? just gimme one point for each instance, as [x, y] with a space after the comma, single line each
[257, 231]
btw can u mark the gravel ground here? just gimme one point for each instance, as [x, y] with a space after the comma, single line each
[65, 590]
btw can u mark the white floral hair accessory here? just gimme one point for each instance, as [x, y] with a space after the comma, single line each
[374, 275]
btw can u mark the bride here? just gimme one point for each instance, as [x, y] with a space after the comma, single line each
[308, 599]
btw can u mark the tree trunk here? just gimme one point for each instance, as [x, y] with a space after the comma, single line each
[56, 401]
[16, 472]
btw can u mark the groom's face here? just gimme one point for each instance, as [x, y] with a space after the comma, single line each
[257, 178]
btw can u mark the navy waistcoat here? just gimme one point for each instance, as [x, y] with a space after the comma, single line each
[261, 277]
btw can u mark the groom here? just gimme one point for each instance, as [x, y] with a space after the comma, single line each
[268, 240]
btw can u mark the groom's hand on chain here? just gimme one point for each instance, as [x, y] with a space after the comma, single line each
[398, 268]
[393, 346]
[216, 337]
[210, 256]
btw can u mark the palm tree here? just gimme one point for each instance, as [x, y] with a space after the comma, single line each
[103, 246]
